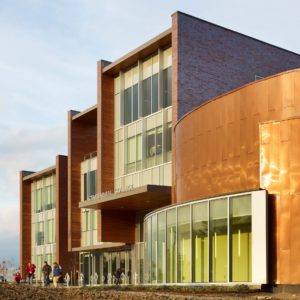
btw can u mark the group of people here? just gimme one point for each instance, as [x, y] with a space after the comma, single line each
[46, 270]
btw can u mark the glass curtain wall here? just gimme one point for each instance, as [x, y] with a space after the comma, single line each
[43, 203]
[143, 122]
[88, 190]
[203, 241]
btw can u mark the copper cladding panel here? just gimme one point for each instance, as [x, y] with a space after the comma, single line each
[280, 170]
[217, 144]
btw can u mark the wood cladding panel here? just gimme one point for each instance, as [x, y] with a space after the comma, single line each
[118, 226]
[82, 139]
[25, 222]
[105, 131]
[105, 135]
[63, 257]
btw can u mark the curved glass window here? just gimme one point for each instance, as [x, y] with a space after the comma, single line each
[154, 249]
[202, 241]
[171, 246]
[184, 244]
[161, 247]
[218, 240]
[240, 238]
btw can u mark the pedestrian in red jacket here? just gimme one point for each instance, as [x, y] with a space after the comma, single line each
[18, 277]
[30, 270]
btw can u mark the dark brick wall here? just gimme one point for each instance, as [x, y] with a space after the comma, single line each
[213, 60]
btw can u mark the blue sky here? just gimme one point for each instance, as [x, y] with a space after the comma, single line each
[48, 54]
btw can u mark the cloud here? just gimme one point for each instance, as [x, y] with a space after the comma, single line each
[9, 233]
[27, 149]
[9, 216]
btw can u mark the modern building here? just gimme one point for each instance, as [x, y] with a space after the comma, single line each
[185, 171]
[43, 217]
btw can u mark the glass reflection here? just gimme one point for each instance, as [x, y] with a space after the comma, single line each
[240, 238]
[171, 246]
[161, 248]
[200, 242]
[184, 244]
[154, 248]
[206, 241]
[218, 241]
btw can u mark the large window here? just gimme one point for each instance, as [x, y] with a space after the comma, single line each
[90, 184]
[171, 246]
[44, 194]
[150, 148]
[218, 241]
[145, 88]
[168, 142]
[161, 248]
[89, 220]
[40, 233]
[50, 238]
[148, 262]
[154, 249]
[38, 199]
[131, 154]
[167, 87]
[200, 242]
[154, 147]
[128, 105]
[48, 198]
[134, 154]
[146, 96]
[131, 104]
[240, 238]
[184, 244]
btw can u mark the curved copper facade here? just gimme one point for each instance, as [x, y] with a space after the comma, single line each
[226, 146]
[217, 144]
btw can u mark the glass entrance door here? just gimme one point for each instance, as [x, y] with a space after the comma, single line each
[114, 263]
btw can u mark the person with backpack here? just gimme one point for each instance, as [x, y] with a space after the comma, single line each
[46, 270]
[57, 273]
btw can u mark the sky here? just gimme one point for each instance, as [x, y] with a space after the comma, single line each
[48, 55]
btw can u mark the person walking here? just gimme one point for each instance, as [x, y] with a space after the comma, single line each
[46, 270]
[118, 276]
[30, 270]
[57, 273]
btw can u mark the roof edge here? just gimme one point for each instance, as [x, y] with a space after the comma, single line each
[51, 169]
[233, 31]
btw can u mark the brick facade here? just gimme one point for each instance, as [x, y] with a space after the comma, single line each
[213, 60]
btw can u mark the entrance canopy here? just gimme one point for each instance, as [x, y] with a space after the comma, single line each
[147, 197]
